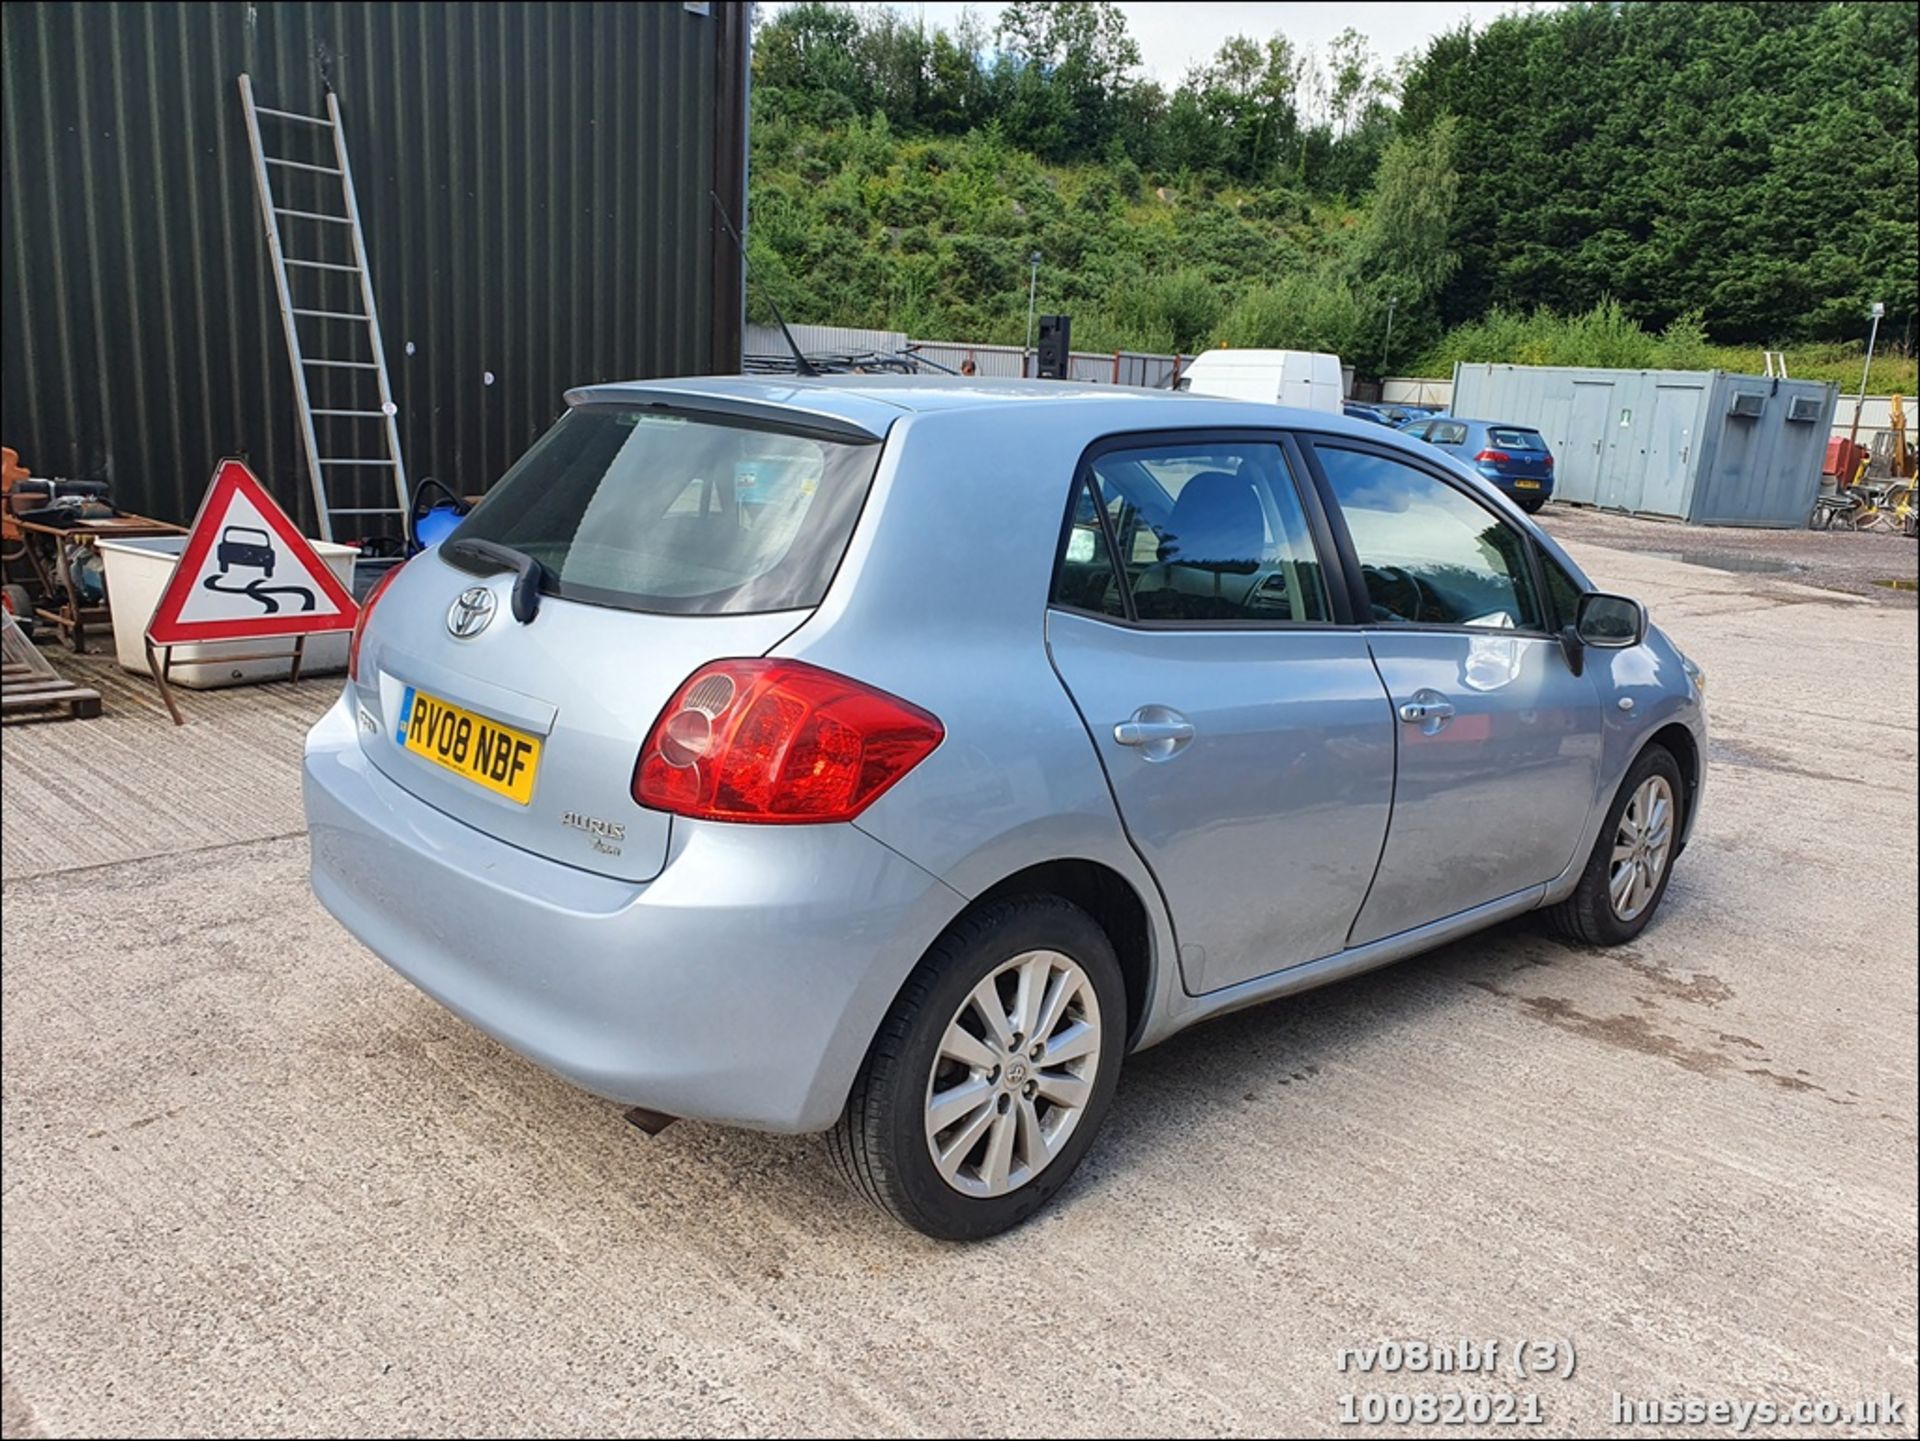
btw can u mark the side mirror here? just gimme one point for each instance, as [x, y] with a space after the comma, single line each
[1611, 622]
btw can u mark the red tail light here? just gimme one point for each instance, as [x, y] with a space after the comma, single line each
[776, 741]
[366, 613]
[1492, 457]
[1549, 462]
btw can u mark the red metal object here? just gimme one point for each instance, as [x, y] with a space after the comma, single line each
[1844, 459]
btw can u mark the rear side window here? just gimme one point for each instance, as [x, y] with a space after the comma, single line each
[679, 513]
[1447, 432]
[1085, 578]
[1508, 439]
[1429, 554]
[1204, 532]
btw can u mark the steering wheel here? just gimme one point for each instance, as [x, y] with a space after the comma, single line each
[1383, 581]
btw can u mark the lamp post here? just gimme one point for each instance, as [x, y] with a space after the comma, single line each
[1033, 286]
[1386, 346]
[1853, 435]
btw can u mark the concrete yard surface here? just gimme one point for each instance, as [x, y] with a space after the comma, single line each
[256, 1183]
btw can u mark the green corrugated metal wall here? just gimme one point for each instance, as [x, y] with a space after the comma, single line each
[533, 180]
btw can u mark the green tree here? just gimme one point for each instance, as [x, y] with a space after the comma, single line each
[1358, 85]
[1244, 101]
[1406, 248]
[1068, 63]
[1758, 162]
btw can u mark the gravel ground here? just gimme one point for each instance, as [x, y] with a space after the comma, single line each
[1874, 564]
[256, 1184]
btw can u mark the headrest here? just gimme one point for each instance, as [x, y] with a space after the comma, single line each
[1216, 522]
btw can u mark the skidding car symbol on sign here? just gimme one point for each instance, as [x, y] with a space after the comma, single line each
[244, 545]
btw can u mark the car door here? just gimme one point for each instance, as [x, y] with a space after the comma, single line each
[1497, 740]
[1244, 731]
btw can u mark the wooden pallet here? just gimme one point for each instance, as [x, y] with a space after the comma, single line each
[30, 694]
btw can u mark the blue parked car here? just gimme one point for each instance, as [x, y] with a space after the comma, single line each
[1513, 457]
[1355, 411]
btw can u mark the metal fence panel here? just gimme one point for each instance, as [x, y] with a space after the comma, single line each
[533, 180]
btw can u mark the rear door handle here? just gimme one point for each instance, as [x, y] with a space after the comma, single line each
[1428, 709]
[1156, 731]
[1146, 733]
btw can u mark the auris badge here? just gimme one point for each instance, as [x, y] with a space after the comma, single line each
[470, 613]
[600, 834]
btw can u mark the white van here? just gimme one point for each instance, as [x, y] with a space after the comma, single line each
[1306, 379]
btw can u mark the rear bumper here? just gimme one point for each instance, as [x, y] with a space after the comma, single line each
[742, 985]
[1526, 487]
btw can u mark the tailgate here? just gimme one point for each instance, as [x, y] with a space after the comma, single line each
[542, 722]
[1527, 455]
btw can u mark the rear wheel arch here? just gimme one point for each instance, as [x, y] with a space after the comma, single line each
[1115, 905]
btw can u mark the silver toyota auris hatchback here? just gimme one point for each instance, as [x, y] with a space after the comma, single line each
[891, 757]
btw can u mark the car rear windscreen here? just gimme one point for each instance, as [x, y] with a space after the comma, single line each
[679, 513]
[1515, 439]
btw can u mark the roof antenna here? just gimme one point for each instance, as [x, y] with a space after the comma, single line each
[800, 361]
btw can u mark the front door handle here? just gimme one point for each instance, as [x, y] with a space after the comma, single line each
[1156, 731]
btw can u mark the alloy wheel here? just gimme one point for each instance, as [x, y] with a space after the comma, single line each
[1014, 1074]
[1641, 846]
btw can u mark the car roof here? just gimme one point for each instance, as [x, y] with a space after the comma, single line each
[871, 403]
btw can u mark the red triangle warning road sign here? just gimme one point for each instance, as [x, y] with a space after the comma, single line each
[247, 572]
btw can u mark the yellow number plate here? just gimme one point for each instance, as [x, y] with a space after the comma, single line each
[1526, 485]
[485, 752]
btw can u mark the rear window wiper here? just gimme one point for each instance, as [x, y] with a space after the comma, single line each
[487, 555]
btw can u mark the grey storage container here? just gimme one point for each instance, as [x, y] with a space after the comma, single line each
[1706, 446]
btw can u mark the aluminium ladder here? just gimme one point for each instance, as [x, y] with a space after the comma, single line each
[329, 320]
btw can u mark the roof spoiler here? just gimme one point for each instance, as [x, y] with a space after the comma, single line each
[793, 419]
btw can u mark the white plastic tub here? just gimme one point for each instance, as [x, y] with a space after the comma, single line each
[138, 571]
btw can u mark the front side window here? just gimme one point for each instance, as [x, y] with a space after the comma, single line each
[1562, 589]
[1204, 531]
[1430, 555]
[678, 513]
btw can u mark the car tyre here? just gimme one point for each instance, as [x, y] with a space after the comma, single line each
[884, 1142]
[1533, 507]
[1593, 915]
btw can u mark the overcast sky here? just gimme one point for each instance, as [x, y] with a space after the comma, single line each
[1176, 35]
